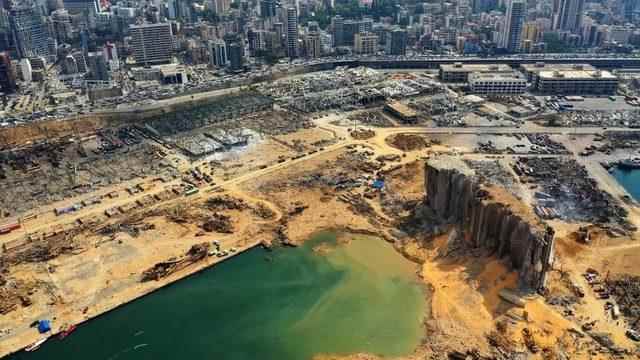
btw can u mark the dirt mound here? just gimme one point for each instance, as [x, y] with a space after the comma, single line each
[407, 142]
[225, 202]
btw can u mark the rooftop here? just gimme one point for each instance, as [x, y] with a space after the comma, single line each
[496, 76]
[459, 67]
[577, 74]
[540, 66]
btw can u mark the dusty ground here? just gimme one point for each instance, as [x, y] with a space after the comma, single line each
[330, 188]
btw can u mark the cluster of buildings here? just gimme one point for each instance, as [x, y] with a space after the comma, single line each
[101, 44]
[541, 78]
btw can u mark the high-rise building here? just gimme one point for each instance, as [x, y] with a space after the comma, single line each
[292, 32]
[26, 71]
[461, 42]
[337, 27]
[62, 25]
[110, 53]
[530, 32]
[152, 43]
[478, 6]
[69, 65]
[53, 5]
[366, 43]
[89, 7]
[52, 44]
[628, 7]
[396, 43]
[267, 8]
[217, 53]
[516, 11]
[257, 41]
[351, 27]
[7, 75]
[172, 9]
[278, 28]
[568, 15]
[221, 6]
[97, 67]
[236, 56]
[30, 32]
[313, 44]
[80, 62]
[313, 26]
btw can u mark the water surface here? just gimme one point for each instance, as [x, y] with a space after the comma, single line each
[291, 303]
[630, 180]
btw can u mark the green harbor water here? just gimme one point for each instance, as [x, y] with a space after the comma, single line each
[291, 303]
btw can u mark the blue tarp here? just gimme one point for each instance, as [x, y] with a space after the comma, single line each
[44, 326]
[378, 184]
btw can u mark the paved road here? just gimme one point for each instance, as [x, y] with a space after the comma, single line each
[528, 129]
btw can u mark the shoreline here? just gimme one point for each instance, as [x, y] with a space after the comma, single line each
[188, 272]
[160, 284]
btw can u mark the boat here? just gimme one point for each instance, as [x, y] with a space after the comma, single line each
[66, 332]
[36, 345]
[629, 164]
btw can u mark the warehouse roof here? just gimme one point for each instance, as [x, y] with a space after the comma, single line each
[540, 66]
[459, 67]
[577, 75]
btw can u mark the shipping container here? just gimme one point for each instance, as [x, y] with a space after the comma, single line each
[7, 228]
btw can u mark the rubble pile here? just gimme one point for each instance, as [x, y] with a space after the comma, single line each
[569, 191]
[618, 118]
[262, 211]
[163, 269]
[408, 142]
[133, 229]
[296, 208]
[219, 223]
[47, 172]
[13, 293]
[362, 134]
[619, 140]
[215, 110]
[625, 289]
[225, 202]
[492, 172]
[179, 214]
[452, 119]
[542, 144]
[339, 181]
[342, 88]
[434, 105]
[371, 118]
[489, 147]
[273, 122]
[358, 205]
[358, 161]
[39, 250]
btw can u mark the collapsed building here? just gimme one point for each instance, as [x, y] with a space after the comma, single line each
[455, 196]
